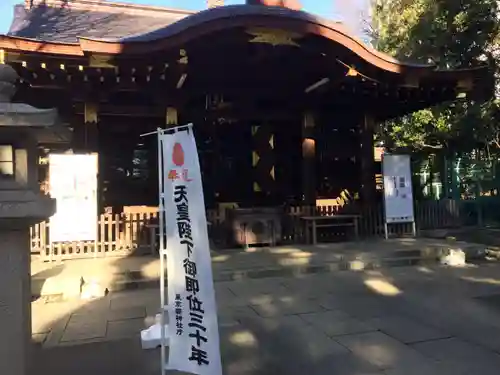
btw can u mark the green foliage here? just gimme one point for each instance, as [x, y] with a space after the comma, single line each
[451, 34]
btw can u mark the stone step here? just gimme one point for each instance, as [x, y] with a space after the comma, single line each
[65, 286]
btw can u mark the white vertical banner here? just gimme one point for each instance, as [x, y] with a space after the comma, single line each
[73, 183]
[192, 330]
[398, 194]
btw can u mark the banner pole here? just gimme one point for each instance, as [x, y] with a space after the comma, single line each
[192, 328]
[169, 130]
[161, 230]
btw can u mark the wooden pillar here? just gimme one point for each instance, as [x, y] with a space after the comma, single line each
[368, 186]
[308, 160]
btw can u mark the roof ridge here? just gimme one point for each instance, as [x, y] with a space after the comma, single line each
[109, 6]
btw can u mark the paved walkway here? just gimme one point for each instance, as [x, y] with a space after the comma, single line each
[401, 321]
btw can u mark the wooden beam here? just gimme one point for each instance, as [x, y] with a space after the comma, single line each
[249, 115]
[124, 111]
[368, 187]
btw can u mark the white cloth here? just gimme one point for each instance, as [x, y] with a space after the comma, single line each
[151, 337]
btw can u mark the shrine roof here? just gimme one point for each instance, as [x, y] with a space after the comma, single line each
[77, 27]
[66, 21]
[86, 28]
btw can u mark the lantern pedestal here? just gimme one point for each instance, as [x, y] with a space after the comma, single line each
[21, 205]
[15, 310]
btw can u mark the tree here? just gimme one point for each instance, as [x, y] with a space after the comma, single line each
[451, 34]
[353, 14]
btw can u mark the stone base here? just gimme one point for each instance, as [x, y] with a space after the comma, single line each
[15, 302]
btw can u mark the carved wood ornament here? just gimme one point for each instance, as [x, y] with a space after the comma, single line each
[274, 37]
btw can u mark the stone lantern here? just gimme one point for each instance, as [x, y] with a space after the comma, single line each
[21, 205]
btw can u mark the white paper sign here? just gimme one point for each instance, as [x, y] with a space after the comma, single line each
[398, 195]
[193, 328]
[73, 183]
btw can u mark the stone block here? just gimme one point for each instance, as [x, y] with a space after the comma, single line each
[241, 366]
[345, 364]
[381, 350]
[230, 316]
[336, 323]
[67, 286]
[461, 355]
[38, 338]
[405, 329]
[359, 306]
[127, 313]
[427, 368]
[255, 288]
[136, 298]
[313, 343]
[84, 327]
[286, 305]
[124, 328]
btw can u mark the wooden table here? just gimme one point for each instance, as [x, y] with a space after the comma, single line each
[314, 222]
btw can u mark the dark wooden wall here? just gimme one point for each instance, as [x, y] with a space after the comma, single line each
[128, 162]
[338, 154]
[128, 169]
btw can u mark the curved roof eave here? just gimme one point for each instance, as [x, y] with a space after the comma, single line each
[38, 46]
[217, 19]
[220, 18]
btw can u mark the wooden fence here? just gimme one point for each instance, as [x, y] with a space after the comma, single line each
[130, 233]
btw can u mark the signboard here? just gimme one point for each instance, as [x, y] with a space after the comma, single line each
[193, 330]
[398, 195]
[73, 183]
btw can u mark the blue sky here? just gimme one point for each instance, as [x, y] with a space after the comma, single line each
[324, 8]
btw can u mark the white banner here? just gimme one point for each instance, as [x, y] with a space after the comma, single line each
[73, 183]
[193, 329]
[398, 195]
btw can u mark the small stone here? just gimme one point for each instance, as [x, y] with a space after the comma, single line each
[357, 265]
[92, 290]
[454, 258]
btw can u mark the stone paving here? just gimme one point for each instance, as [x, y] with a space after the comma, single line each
[400, 321]
[65, 278]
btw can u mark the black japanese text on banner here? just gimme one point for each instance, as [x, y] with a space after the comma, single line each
[73, 182]
[193, 329]
[398, 195]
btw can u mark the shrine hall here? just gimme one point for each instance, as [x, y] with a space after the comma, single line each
[284, 103]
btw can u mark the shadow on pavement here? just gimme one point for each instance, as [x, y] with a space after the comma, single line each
[343, 323]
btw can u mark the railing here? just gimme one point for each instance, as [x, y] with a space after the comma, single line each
[428, 214]
[117, 235]
[129, 233]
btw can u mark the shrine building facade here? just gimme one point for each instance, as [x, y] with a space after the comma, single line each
[284, 103]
